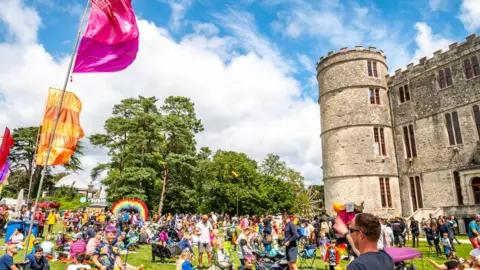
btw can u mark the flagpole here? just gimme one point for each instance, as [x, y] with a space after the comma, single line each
[59, 107]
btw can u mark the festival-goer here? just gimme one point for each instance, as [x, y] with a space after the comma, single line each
[204, 243]
[105, 257]
[474, 231]
[47, 246]
[6, 261]
[51, 220]
[37, 260]
[78, 246]
[451, 264]
[290, 242]
[78, 263]
[243, 236]
[415, 232]
[365, 231]
[93, 243]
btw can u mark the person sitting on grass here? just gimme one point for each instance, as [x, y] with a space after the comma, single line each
[185, 243]
[451, 264]
[184, 257]
[78, 263]
[47, 246]
[37, 261]
[223, 259]
[6, 261]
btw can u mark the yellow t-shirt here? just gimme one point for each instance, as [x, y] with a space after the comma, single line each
[51, 218]
[101, 218]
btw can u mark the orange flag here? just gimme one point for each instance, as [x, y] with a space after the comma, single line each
[68, 130]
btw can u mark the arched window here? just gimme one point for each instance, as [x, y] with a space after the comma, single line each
[476, 189]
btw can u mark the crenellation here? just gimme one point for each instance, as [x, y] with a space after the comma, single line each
[349, 119]
[330, 53]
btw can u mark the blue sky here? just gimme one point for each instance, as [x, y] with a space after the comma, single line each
[249, 65]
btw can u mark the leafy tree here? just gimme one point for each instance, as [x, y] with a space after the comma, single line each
[23, 167]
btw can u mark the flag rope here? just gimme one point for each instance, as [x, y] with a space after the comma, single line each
[59, 107]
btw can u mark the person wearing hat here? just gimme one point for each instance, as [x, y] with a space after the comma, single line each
[474, 231]
[106, 256]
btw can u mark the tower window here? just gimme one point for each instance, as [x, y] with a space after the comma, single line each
[445, 78]
[372, 69]
[471, 67]
[374, 96]
[476, 114]
[409, 139]
[416, 193]
[404, 93]
[385, 194]
[380, 146]
[453, 128]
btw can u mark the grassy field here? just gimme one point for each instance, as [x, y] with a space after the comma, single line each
[144, 257]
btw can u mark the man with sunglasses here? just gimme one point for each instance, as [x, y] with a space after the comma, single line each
[365, 232]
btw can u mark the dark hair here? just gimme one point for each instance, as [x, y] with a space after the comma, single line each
[80, 257]
[369, 225]
[243, 242]
[39, 249]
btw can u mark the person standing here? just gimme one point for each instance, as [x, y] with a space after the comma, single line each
[290, 237]
[415, 231]
[51, 220]
[204, 244]
[474, 231]
[365, 232]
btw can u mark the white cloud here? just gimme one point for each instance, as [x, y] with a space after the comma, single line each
[22, 22]
[249, 103]
[206, 29]
[427, 42]
[470, 15]
[307, 62]
[179, 8]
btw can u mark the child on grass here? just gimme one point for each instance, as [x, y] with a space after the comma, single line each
[332, 256]
[447, 246]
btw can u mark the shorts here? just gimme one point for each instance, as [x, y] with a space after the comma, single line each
[202, 247]
[291, 254]
[474, 242]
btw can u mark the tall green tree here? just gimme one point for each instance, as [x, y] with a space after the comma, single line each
[134, 139]
[23, 167]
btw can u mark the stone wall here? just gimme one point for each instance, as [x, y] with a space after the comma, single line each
[436, 160]
[351, 166]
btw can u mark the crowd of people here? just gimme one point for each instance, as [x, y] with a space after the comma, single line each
[99, 238]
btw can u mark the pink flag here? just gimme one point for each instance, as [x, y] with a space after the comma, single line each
[110, 42]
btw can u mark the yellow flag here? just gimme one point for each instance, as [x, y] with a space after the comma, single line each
[68, 130]
[235, 174]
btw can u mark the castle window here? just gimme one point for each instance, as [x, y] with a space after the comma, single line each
[404, 93]
[453, 128]
[416, 193]
[372, 69]
[407, 93]
[468, 68]
[458, 187]
[380, 147]
[409, 139]
[374, 96]
[476, 114]
[445, 78]
[401, 94]
[475, 66]
[385, 194]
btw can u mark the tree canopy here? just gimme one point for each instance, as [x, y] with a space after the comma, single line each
[154, 155]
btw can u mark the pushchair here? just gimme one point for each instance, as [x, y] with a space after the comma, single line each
[400, 255]
[167, 252]
[230, 232]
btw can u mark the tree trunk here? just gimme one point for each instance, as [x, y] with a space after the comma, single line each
[164, 187]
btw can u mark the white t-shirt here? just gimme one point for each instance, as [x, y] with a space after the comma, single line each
[47, 247]
[205, 229]
[78, 266]
[475, 252]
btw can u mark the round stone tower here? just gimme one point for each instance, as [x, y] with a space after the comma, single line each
[359, 163]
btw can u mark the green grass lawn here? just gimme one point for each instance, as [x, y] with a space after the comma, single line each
[144, 257]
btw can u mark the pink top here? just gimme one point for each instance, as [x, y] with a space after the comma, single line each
[92, 245]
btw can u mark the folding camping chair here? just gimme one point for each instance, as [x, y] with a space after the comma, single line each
[308, 256]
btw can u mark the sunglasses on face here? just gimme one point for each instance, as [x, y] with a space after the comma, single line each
[352, 230]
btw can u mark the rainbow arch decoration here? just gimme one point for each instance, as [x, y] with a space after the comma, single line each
[134, 205]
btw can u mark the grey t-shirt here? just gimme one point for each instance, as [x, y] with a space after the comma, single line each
[372, 260]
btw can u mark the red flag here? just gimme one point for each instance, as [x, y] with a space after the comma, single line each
[7, 142]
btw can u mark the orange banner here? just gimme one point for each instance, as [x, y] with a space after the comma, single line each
[68, 130]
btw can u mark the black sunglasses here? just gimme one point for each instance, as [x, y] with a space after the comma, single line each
[350, 230]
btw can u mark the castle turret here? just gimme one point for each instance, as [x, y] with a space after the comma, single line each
[359, 163]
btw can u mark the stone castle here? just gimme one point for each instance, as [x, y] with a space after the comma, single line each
[407, 144]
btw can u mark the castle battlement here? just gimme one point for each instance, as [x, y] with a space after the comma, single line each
[353, 50]
[440, 57]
